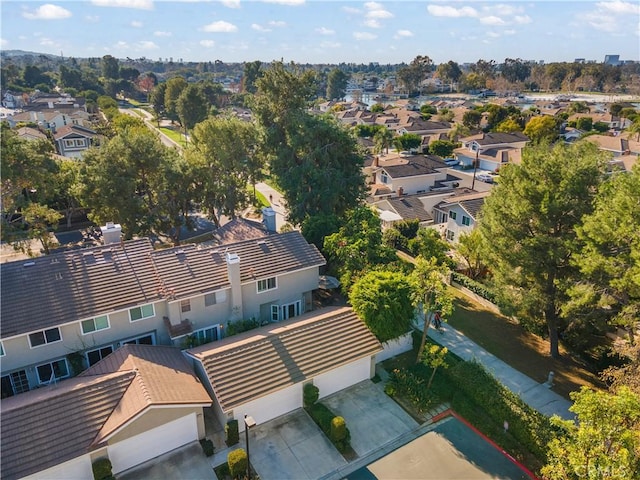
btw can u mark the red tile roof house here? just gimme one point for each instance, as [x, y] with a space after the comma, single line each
[138, 403]
[66, 311]
[262, 372]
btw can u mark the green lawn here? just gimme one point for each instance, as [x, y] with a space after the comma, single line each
[173, 135]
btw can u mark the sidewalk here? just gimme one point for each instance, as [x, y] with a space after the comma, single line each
[277, 203]
[536, 395]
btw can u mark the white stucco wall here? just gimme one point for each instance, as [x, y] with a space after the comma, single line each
[343, 377]
[271, 406]
[395, 347]
[78, 468]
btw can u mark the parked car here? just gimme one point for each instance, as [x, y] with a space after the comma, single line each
[451, 161]
[484, 177]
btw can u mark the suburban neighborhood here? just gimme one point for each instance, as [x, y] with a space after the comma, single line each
[329, 270]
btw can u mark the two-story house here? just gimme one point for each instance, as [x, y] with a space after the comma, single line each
[66, 311]
[459, 214]
[491, 150]
[398, 175]
[73, 140]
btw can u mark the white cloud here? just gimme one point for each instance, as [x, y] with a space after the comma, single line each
[160, 33]
[379, 14]
[231, 3]
[136, 24]
[364, 36]
[220, 27]
[260, 28]
[448, 11]
[3, 42]
[47, 42]
[292, 3]
[47, 12]
[492, 20]
[330, 44]
[522, 19]
[372, 23]
[277, 23]
[493, 34]
[503, 9]
[207, 43]
[138, 4]
[509, 32]
[325, 31]
[92, 18]
[616, 6]
[405, 33]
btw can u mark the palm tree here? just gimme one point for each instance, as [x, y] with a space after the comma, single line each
[634, 128]
[383, 139]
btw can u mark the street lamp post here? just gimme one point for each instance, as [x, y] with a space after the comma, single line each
[249, 422]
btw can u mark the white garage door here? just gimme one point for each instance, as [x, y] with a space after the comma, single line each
[135, 450]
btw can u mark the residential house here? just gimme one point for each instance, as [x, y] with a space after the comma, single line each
[73, 140]
[262, 372]
[13, 100]
[85, 304]
[612, 121]
[29, 133]
[492, 150]
[51, 119]
[138, 403]
[458, 215]
[398, 175]
[619, 145]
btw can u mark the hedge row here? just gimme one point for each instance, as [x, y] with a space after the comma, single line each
[529, 427]
[476, 287]
[333, 426]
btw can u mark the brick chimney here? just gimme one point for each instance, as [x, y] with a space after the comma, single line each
[400, 191]
[233, 270]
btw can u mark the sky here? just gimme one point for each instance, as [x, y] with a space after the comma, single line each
[314, 31]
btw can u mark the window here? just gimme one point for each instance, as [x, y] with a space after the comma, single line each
[14, 383]
[275, 313]
[80, 142]
[453, 215]
[148, 339]
[185, 305]
[95, 324]
[45, 336]
[94, 356]
[205, 335]
[384, 178]
[1, 350]
[68, 143]
[48, 372]
[138, 313]
[450, 234]
[266, 284]
[209, 299]
[466, 220]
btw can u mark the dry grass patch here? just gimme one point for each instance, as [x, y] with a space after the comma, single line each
[522, 350]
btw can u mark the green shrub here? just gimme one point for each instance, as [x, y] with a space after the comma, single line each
[102, 469]
[476, 287]
[322, 416]
[237, 461]
[207, 447]
[338, 429]
[232, 435]
[233, 328]
[310, 394]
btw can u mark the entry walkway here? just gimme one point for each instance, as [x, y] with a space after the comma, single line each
[537, 395]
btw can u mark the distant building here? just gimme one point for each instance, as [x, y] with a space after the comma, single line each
[612, 59]
[579, 60]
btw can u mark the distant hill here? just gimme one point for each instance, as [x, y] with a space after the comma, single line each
[23, 53]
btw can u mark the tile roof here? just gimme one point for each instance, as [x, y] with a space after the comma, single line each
[237, 230]
[414, 165]
[263, 361]
[190, 269]
[53, 424]
[163, 377]
[54, 289]
[410, 207]
[469, 200]
[494, 138]
[60, 288]
[67, 130]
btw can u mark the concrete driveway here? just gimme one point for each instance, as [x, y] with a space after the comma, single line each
[292, 447]
[372, 417]
[184, 463]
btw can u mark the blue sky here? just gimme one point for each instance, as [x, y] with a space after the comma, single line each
[327, 31]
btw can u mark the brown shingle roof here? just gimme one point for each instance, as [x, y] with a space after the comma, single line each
[189, 269]
[51, 425]
[51, 290]
[237, 230]
[263, 361]
[410, 208]
[54, 424]
[164, 377]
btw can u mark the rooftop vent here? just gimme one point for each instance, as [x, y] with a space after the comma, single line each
[28, 264]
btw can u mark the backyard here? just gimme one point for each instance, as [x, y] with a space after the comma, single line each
[522, 350]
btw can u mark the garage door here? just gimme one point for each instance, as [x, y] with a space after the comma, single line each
[136, 450]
